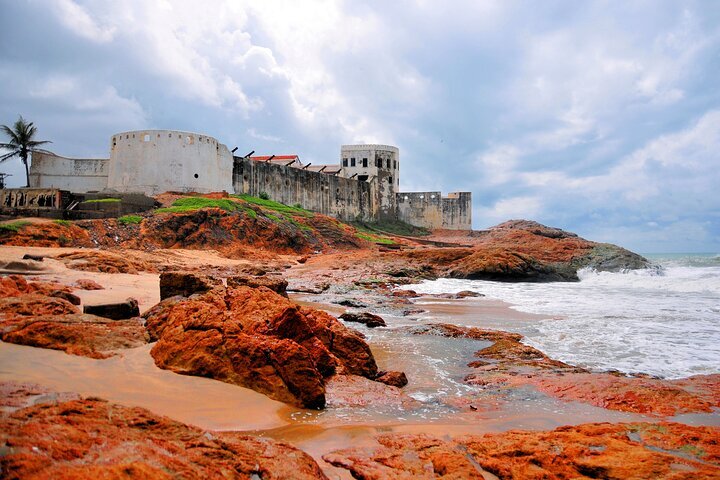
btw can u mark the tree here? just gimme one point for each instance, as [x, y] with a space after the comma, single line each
[21, 143]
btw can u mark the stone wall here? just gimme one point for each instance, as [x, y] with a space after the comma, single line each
[457, 211]
[48, 170]
[156, 161]
[344, 198]
[422, 209]
[432, 210]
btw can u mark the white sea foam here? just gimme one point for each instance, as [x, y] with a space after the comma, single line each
[664, 322]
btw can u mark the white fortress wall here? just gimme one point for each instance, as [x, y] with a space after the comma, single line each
[156, 161]
[48, 170]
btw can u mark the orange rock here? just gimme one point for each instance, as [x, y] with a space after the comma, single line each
[637, 451]
[31, 305]
[47, 234]
[258, 339]
[105, 262]
[96, 439]
[87, 284]
[76, 334]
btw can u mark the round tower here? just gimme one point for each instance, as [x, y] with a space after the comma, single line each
[156, 161]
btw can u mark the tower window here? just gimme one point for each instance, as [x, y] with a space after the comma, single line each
[388, 163]
[389, 179]
[395, 164]
[352, 162]
[345, 164]
[378, 162]
[364, 162]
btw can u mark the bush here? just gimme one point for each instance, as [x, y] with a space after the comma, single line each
[189, 204]
[264, 196]
[104, 200]
[130, 219]
[64, 223]
[297, 205]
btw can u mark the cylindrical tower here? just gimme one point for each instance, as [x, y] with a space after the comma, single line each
[156, 161]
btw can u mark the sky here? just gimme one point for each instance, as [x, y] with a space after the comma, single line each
[598, 117]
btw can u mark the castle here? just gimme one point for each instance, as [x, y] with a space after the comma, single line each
[362, 186]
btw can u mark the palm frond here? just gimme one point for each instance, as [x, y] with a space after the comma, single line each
[7, 156]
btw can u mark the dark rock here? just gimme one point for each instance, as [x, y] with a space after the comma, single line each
[350, 303]
[394, 379]
[29, 256]
[468, 293]
[185, 284]
[115, 311]
[366, 318]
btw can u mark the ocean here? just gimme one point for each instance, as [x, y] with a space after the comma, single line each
[663, 321]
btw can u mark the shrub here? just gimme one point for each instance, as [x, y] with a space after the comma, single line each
[130, 219]
[189, 204]
[264, 196]
[104, 200]
[64, 223]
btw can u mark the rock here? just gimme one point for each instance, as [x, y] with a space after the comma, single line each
[275, 283]
[70, 297]
[104, 262]
[76, 334]
[258, 339]
[92, 438]
[30, 305]
[350, 303]
[405, 293]
[185, 284]
[29, 256]
[507, 264]
[87, 284]
[47, 234]
[395, 379]
[303, 259]
[115, 311]
[16, 285]
[366, 318]
[467, 294]
[601, 450]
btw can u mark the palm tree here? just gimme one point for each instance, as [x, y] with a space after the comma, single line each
[21, 143]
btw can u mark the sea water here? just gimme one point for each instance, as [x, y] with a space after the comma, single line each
[663, 321]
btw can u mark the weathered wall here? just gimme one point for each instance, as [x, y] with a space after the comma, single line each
[156, 161]
[457, 211]
[344, 198]
[422, 209]
[44, 198]
[432, 210]
[48, 170]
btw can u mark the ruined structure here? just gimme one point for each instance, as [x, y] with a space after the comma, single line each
[363, 185]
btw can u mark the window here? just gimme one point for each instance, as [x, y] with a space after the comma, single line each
[378, 162]
[389, 179]
[388, 163]
[146, 138]
[395, 164]
[345, 164]
[364, 162]
[362, 178]
[352, 162]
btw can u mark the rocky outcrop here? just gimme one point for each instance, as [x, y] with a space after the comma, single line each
[87, 284]
[368, 319]
[92, 438]
[258, 339]
[185, 284]
[30, 305]
[47, 234]
[600, 450]
[115, 311]
[76, 334]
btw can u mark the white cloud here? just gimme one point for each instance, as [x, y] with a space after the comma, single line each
[80, 22]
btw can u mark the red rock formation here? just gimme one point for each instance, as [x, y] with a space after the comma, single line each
[394, 379]
[47, 234]
[96, 439]
[641, 451]
[87, 284]
[256, 338]
[76, 334]
[276, 283]
[32, 305]
[185, 284]
[16, 285]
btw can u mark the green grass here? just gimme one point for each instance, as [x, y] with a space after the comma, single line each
[64, 223]
[693, 450]
[104, 200]
[189, 204]
[130, 219]
[14, 226]
[273, 205]
[395, 227]
[375, 238]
